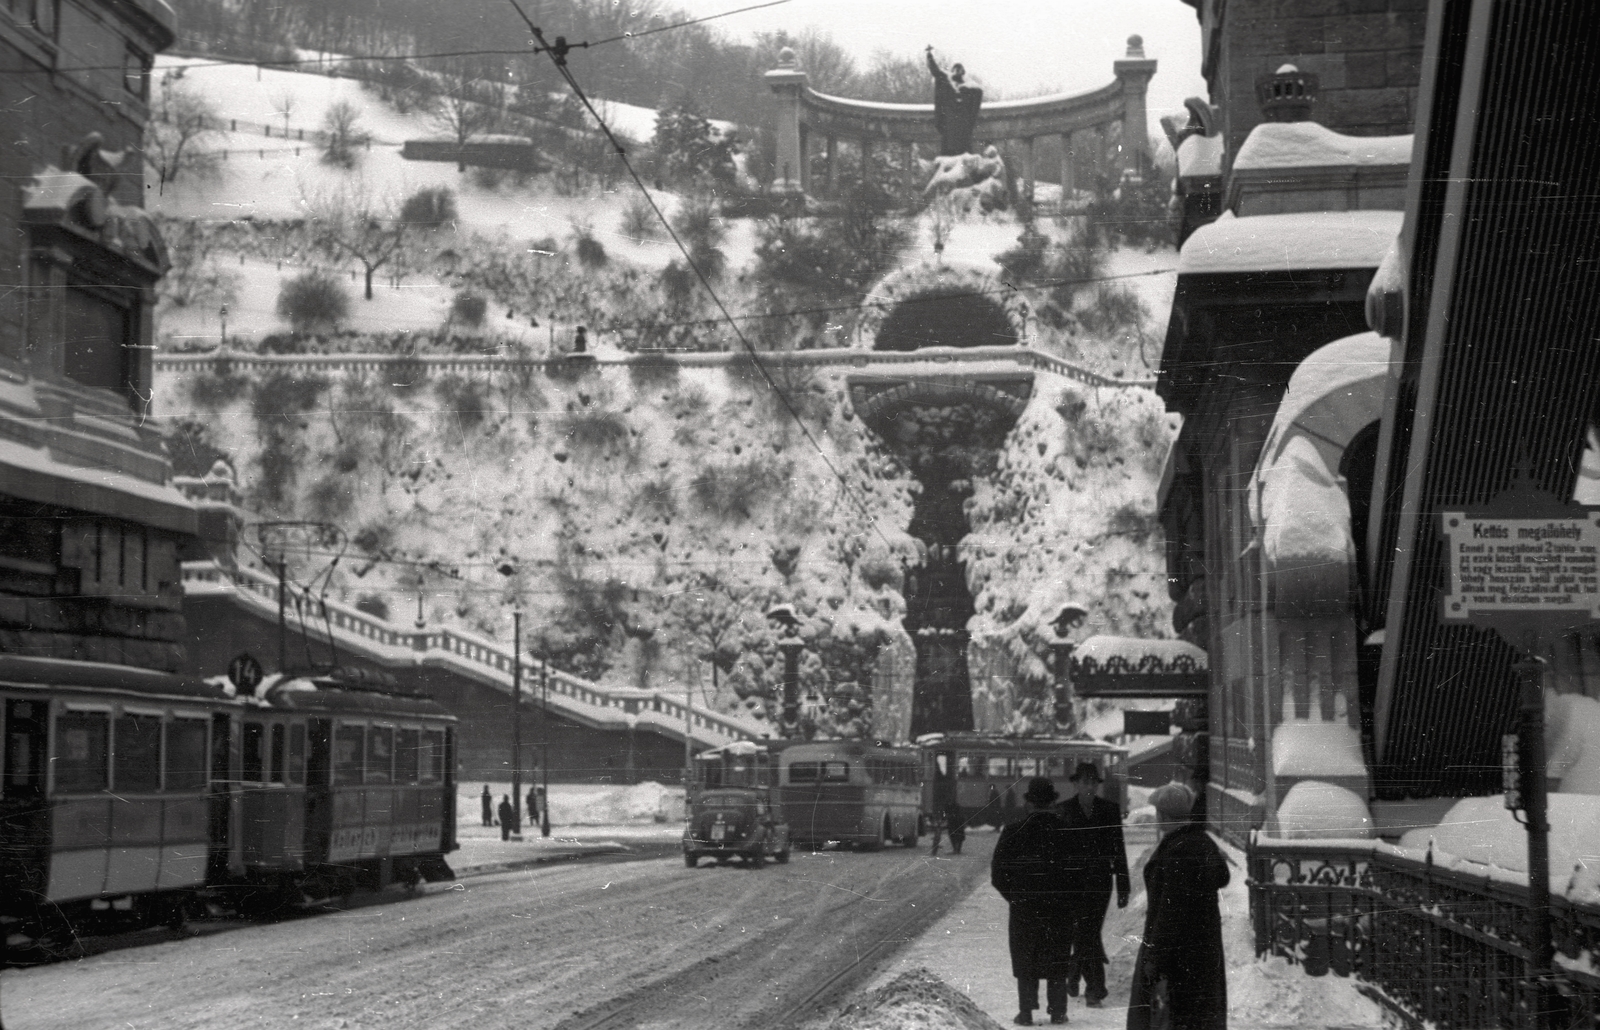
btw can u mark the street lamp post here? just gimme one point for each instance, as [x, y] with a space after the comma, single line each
[544, 716]
[1071, 617]
[791, 645]
[516, 716]
[223, 314]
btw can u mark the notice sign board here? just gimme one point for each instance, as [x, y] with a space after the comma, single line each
[1546, 569]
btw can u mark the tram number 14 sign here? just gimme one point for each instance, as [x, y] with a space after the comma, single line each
[1523, 566]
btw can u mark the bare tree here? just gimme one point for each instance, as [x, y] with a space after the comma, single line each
[181, 122]
[342, 136]
[469, 103]
[284, 104]
[352, 223]
[896, 80]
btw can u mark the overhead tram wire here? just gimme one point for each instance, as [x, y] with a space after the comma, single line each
[294, 62]
[558, 56]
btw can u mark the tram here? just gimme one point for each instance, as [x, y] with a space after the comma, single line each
[850, 792]
[986, 774]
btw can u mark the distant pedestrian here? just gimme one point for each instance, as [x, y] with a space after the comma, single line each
[1180, 979]
[544, 812]
[956, 822]
[508, 816]
[533, 807]
[488, 806]
[1029, 870]
[1099, 856]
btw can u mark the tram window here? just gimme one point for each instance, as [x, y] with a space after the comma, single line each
[941, 765]
[405, 756]
[186, 754]
[253, 752]
[433, 756]
[349, 748]
[1057, 766]
[966, 766]
[836, 772]
[380, 755]
[276, 774]
[24, 749]
[136, 768]
[82, 751]
[804, 772]
[999, 768]
[1028, 767]
[296, 773]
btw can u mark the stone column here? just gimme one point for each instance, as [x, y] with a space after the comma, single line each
[805, 158]
[1134, 74]
[909, 154]
[832, 158]
[1069, 168]
[1027, 165]
[788, 82]
[866, 162]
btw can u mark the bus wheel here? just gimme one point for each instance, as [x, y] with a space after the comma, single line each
[782, 857]
[758, 858]
[690, 859]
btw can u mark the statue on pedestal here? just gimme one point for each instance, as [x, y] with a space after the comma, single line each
[955, 107]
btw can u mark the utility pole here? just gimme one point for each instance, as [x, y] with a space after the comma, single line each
[544, 721]
[283, 574]
[516, 714]
[1530, 740]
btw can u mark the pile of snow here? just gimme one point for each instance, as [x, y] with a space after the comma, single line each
[1313, 810]
[1481, 834]
[915, 1000]
[1102, 648]
[968, 182]
[1572, 727]
[1311, 145]
[1317, 749]
[1287, 242]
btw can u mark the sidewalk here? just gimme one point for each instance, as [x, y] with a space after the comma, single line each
[967, 950]
[482, 851]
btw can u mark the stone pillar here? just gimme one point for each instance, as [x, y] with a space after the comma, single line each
[788, 82]
[805, 158]
[1027, 165]
[1069, 171]
[908, 153]
[866, 162]
[1134, 74]
[832, 158]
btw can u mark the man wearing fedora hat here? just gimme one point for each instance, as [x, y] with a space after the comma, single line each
[1098, 856]
[1029, 869]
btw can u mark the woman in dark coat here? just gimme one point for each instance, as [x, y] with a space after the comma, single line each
[1180, 976]
[1029, 870]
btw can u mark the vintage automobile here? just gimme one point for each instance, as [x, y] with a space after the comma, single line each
[732, 811]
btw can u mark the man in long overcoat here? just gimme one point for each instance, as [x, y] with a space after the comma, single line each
[1095, 832]
[508, 817]
[1029, 869]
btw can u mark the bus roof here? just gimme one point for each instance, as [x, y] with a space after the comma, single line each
[997, 742]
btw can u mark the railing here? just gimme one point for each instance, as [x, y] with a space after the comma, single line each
[480, 659]
[436, 364]
[1447, 945]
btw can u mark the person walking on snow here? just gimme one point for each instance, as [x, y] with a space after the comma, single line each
[1030, 870]
[1095, 831]
[488, 806]
[1180, 979]
[508, 816]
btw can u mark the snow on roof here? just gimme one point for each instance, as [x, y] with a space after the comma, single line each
[1480, 832]
[1281, 243]
[1305, 747]
[1310, 145]
[1200, 155]
[1102, 648]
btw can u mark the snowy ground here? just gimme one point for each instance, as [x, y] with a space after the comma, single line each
[967, 949]
[643, 805]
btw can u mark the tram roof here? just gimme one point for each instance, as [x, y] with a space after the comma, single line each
[64, 673]
[335, 697]
[996, 742]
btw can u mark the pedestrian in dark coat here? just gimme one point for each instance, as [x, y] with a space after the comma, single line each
[1180, 979]
[1099, 856]
[488, 806]
[508, 816]
[1029, 870]
[533, 807]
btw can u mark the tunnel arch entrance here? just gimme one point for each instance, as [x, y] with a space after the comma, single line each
[946, 317]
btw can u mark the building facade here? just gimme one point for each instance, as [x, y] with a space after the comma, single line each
[91, 527]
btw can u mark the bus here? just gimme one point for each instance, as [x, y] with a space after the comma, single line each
[987, 774]
[850, 792]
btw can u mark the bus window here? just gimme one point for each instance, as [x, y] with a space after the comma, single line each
[82, 751]
[1028, 767]
[253, 751]
[186, 754]
[380, 755]
[967, 766]
[349, 752]
[405, 756]
[999, 768]
[275, 773]
[433, 756]
[835, 772]
[804, 772]
[136, 765]
[296, 773]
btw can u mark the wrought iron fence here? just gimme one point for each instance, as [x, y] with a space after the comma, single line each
[1448, 946]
